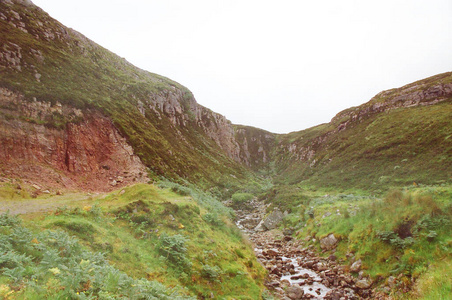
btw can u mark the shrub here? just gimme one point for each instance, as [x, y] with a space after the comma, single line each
[172, 248]
[211, 273]
[240, 198]
[212, 219]
[393, 239]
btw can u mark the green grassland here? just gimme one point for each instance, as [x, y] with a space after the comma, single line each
[405, 233]
[141, 242]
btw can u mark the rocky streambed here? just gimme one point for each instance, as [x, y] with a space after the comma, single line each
[295, 271]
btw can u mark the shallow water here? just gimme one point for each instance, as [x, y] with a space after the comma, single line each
[307, 288]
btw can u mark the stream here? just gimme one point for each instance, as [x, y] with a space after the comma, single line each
[296, 272]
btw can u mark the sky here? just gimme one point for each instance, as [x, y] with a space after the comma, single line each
[283, 65]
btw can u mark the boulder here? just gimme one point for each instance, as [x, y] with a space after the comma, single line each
[295, 292]
[273, 219]
[391, 282]
[329, 242]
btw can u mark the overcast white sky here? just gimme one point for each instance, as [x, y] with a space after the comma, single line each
[282, 65]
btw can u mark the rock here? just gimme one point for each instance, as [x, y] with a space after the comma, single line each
[329, 242]
[332, 257]
[391, 282]
[250, 222]
[270, 252]
[36, 187]
[260, 227]
[327, 214]
[363, 284]
[295, 292]
[356, 266]
[273, 284]
[273, 219]
[288, 231]
[320, 267]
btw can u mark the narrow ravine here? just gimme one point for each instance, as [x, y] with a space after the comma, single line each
[295, 271]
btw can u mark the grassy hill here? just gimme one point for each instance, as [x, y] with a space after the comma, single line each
[141, 242]
[385, 142]
[46, 62]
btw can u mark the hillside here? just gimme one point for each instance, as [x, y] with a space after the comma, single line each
[399, 137]
[141, 242]
[57, 86]
[120, 180]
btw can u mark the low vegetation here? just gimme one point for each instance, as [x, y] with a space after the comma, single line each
[404, 234]
[381, 183]
[141, 242]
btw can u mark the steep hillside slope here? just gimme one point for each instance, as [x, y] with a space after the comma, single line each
[55, 81]
[399, 137]
[58, 87]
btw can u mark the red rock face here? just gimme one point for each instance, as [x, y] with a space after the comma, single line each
[89, 155]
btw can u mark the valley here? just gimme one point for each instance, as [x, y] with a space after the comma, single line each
[116, 184]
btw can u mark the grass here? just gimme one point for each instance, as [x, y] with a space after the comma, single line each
[404, 234]
[435, 283]
[151, 235]
[375, 151]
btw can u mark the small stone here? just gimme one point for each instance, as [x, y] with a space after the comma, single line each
[363, 284]
[356, 266]
[391, 282]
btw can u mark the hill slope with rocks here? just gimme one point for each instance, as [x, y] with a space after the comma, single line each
[400, 136]
[58, 88]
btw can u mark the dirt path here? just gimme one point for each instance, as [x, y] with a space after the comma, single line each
[16, 207]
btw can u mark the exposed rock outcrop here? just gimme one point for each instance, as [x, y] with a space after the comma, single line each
[87, 152]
